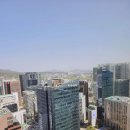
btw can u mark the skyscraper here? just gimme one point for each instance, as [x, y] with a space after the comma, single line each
[122, 71]
[1, 87]
[82, 107]
[104, 84]
[29, 79]
[122, 87]
[107, 83]
[58, 108]
[30, 104]
[111, 80]
[83, 88]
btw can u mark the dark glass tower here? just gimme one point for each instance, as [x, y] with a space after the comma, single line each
[58, 108]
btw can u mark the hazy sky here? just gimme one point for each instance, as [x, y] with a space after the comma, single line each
[38, 35]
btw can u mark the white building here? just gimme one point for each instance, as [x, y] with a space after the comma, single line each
[82, 107]
[92, 115]
[19, 115]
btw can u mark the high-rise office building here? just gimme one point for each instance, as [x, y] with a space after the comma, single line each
[83, 88]
[58, 108]
[122, 87]
[104, 84]
[117, 112]
[30, 104]
[29, 79]
[107, 83]
[122, 71]
[1, 87]
[97, 70]
[82, 107]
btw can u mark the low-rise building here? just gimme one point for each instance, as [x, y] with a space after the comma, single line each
[7, 121]
[11, 102]
[92, 115]
[19, 115]
[10, 86]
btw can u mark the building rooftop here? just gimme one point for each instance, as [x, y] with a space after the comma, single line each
[7, 95]
[4, 111]
[119, 99]
[28, 92]
[92, 107]
[72, 83]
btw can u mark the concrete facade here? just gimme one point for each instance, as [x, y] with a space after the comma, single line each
[117, 112]
[30, 103]
[29, 79]
[9, 87]
[82, 107]
[92, 115]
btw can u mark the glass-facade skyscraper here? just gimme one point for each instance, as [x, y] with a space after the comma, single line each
[107, 83]
[29, 79]
[122, 71]
[122, 87]
[111, 80]
[104, 84]
[58, 108]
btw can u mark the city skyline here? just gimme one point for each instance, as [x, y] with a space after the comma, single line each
[42, 36]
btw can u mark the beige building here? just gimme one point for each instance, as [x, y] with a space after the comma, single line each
[30, 103]
[117, 112]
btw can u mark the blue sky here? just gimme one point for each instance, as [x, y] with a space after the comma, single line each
[38, 35]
